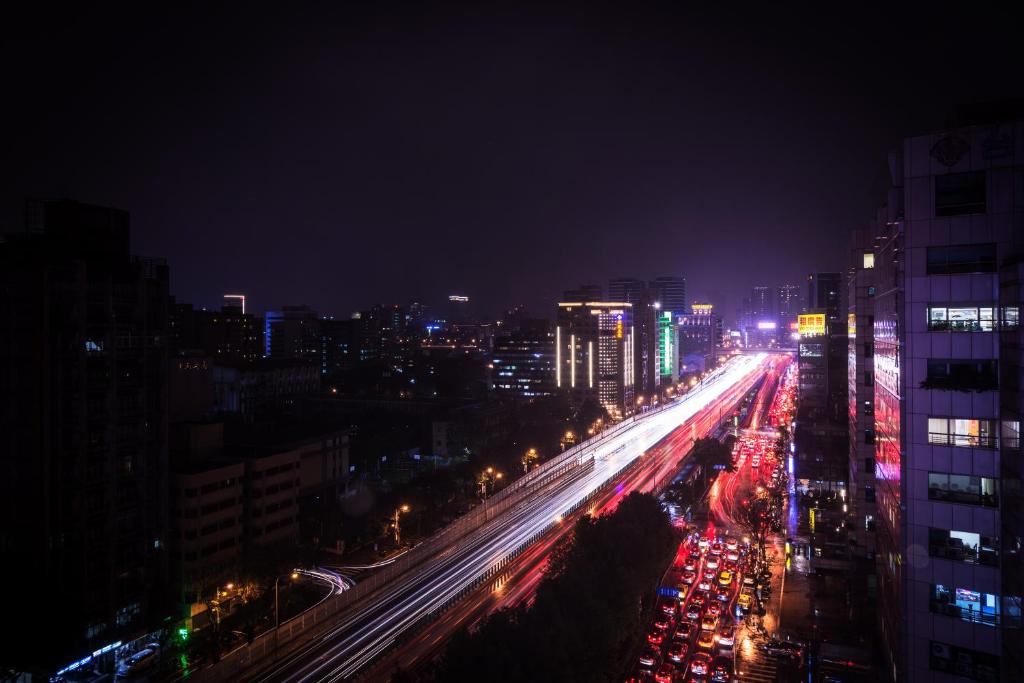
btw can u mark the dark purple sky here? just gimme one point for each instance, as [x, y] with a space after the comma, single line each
[340, 156]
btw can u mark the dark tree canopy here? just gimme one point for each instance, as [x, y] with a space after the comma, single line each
[585, 616]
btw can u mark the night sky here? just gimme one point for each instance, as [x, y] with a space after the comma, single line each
[345, 155]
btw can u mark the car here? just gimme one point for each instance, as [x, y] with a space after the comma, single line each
[683, 589]
[732, 556]
[693, 611]
[702, 542]
[755, 461]
[726, 636]
[650, 657]
[723, 594]
[689, 576]
[700, 663]
[716, 549]
[709, 574]
[685, 630]
[732, 543]
[655, 637]
[706, 640]
[704, 585]
[690, 565]
[720, 671]
[712, 562]
[667, 606]
[714, 609]
[709, 622]
[782, 648]
[677, 651]
[725, 578]
[748, 580]
[664, 622]
[665, 674]
[136, 664]
[744, 602]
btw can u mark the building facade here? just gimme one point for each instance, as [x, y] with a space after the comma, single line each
[594, 354]
[700, 338]
[670, 292]
[947, 346]
[83, 447]
[860, 387]
[524, 361]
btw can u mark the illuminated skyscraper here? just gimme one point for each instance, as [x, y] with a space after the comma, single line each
[594, 350]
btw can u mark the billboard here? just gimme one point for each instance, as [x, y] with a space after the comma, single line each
[810, 324]
[766, 325]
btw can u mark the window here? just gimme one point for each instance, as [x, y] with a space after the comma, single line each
[962, 375]
[968, 605]
[869, 378]
[961, 258]
[869, 436]
[869, 465]
[869, 408]
[1011, 434]
[871, 291]
[957, 194]
[869, 349]
[869, 523]
[963, 488]
[961, 662]
[963, 546]
[967, 433]
[869, 260]
[972, 318]
[869, 494]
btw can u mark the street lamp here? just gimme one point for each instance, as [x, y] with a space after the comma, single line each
[277, 619]
[398, 512]
[488, 478]
[530, 457]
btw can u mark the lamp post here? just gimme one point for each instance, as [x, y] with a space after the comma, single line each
[529, 457]
[398, 532]
[277, 616]
[487, 481]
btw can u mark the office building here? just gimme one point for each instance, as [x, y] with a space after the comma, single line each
[84, 439]
[860, 399]
[584, 293]
[824, 295]
[524, 360]
[292, 332]
[670, 292]
[339, 346]
[761, 305]
[700, 338]
[788, 305]
[269, 385]
[947, 366]
[667, 357]
[628, 289]
[594, 353]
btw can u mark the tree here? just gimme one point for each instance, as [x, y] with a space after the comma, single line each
[712, 454]
[584, 619]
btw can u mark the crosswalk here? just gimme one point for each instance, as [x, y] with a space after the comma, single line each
[757, 666]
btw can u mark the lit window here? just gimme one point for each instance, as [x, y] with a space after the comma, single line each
[869, 260]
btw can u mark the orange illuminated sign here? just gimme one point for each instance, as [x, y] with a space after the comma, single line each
[810, 324]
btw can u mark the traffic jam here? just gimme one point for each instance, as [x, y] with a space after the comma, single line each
[694, 630]
[717, 579]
